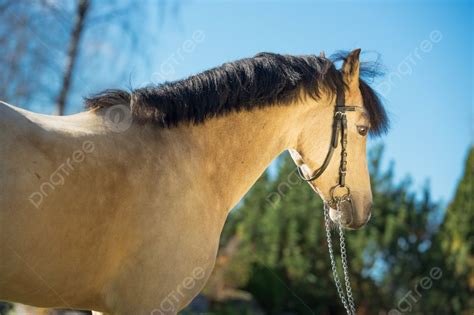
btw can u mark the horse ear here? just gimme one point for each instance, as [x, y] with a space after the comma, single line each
[350, 69]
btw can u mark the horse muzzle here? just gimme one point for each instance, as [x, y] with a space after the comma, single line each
[346, 213]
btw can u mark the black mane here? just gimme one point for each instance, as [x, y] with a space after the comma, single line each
[265, 80]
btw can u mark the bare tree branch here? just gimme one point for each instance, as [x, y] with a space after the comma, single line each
[81, 14]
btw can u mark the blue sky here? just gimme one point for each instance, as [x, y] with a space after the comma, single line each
[426, 47]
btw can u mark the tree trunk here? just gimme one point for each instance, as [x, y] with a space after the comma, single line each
[71, 58]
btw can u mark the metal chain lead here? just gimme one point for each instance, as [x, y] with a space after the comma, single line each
[349, 302]
[345, 268]
[333, 262]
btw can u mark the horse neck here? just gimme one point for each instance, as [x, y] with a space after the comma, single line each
[234, 150]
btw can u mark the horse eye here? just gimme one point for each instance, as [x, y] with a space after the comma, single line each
[363, 130]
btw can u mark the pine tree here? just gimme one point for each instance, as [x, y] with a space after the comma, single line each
[452, 250]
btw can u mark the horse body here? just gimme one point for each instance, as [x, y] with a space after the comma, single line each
[146, 205]
[126, 218]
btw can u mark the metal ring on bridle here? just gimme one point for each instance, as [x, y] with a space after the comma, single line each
[335, 188]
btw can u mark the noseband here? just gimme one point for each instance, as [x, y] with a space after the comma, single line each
[339, 127]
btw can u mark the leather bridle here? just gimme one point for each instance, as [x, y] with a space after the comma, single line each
[339, 127]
